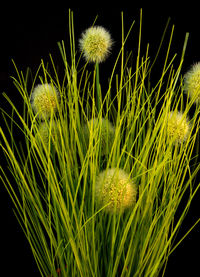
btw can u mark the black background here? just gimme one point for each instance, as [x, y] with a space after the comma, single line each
[31, 33]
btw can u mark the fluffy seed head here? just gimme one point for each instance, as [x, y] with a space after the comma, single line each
[44, 100]
[192, 82]
[96, 44]
[45, 130]
[178, 126]
[107, 133]
[115, 189]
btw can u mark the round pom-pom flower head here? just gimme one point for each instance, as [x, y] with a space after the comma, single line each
[101, 129]
[96, 44]
[115, 190]
[178, 126]
[192, 82]
[44, 100]
[47, 131]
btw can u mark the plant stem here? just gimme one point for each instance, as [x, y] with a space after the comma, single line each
[97, 87]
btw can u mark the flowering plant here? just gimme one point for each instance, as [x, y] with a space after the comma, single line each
[100, 179]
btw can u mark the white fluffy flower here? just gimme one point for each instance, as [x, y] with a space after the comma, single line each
[115, 189]
[44, 100]
[178, 126]
[96, 44]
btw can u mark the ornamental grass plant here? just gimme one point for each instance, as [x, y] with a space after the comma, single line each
[100, 177]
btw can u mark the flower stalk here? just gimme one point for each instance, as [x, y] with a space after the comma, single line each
[98, 88]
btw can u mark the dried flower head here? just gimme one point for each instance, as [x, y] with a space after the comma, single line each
[103, 129]
[44, 100]
[115, 189]
[178, 126]
[45, 130]
[96, 44]
[192, 82]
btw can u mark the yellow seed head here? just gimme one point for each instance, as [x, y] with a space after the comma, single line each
[96, 44]
[44, 100]
[106, 135]
[178, 126]
[45, 130]
[114, 187]
[192, 82]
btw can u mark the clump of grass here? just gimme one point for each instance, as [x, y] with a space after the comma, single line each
[58, 170]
